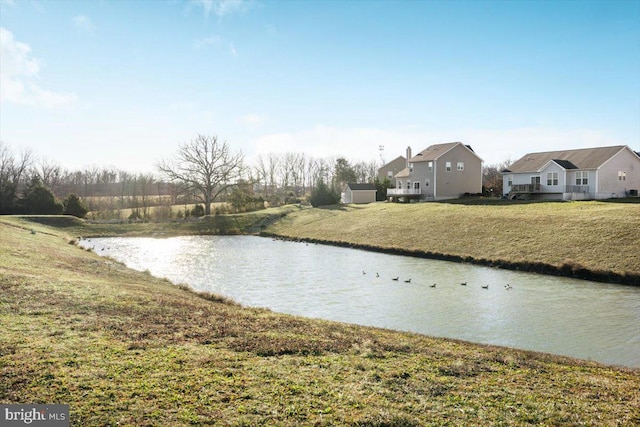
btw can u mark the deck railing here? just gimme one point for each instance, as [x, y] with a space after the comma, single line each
[403, 191]
[576, 188]
[525, 188]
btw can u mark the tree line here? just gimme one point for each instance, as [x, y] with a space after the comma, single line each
[203, 171]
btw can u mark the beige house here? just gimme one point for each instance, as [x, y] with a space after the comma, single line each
[359, 193]
[440, 172]
[391, 169]
[588, 173]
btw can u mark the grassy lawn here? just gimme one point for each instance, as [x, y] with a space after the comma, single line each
[124, 348]
[598, 236]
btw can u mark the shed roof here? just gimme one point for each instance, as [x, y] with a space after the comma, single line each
[584, 158]
[361, 187]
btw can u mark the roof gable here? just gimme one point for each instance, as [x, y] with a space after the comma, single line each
[404, 173]
[585, 158]
[564, 164]
[392, 161]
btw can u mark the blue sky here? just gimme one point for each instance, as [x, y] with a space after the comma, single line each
[122, 83]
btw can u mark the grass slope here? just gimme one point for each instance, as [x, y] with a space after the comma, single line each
[251, 222]
[124, 348]
[602, 238]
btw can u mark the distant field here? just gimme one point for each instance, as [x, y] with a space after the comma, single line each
[154, 213]
[251, 222]
[598, 236]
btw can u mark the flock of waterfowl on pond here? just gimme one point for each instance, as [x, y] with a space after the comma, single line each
[397, 279]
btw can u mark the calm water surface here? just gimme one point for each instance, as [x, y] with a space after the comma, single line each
[557, 315]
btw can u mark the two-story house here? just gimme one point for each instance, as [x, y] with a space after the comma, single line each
[439, 172]
[391, 169]
[582, 174]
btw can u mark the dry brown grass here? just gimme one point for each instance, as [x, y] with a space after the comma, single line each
[597, 236]
[124, 348]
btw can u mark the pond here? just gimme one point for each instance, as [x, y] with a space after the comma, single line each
[571, 317]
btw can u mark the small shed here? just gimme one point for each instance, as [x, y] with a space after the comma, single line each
[359, 193]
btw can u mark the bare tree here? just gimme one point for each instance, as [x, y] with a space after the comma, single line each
[206, 167]
[50, 174]
[492, 177]
[13, 173]
[146, 182]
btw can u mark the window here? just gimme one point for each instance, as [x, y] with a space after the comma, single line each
[389, 174]
[448, 166]
[510, 180]
[408, 185]
[582, 178]
[552, 178]
[410, 167]
[416, 185]
[622, 175]
[430, 166]
[460, 166]
[399, 184]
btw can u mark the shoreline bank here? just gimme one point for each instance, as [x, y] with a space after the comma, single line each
[566, 270]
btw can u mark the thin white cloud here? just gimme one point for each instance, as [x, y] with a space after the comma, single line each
[494, 146]
[358, 144]
[83, 23]
[252, 120]
[19, 70]
[214, 41]
[221, 8]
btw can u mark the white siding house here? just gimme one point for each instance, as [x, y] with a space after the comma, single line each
[590, 173]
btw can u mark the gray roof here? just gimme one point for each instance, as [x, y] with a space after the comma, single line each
[354, 186]
[584, 158]
[404, 173]
[434, 151]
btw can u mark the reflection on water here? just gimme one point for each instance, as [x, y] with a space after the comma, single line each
[544, 313]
